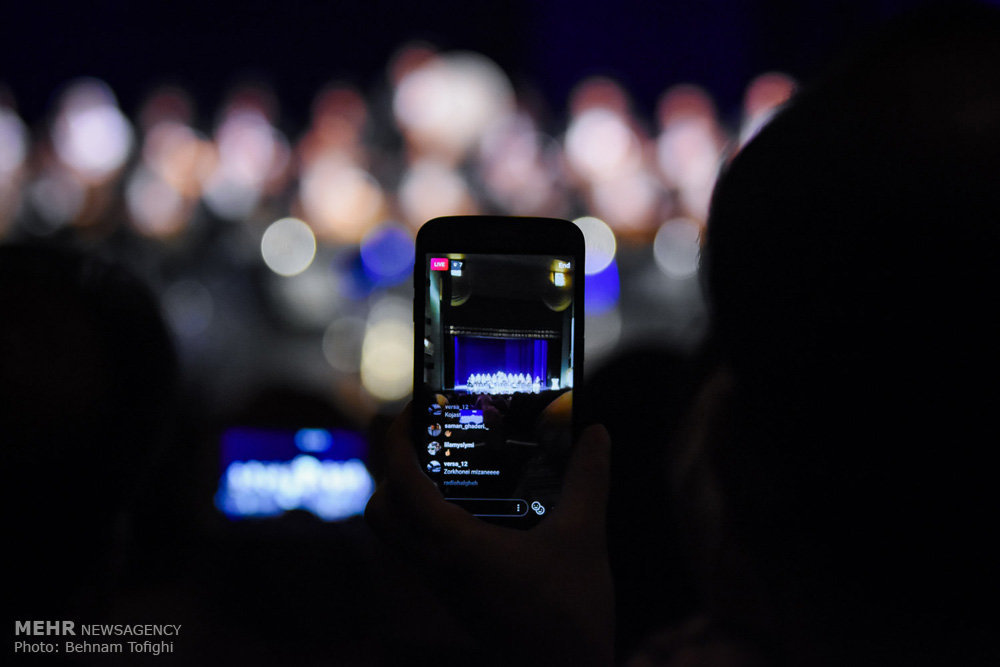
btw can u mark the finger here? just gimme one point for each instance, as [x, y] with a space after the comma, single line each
[407, 482]
[583, 503]
[380, 515]
[378, 433]
[410, 504]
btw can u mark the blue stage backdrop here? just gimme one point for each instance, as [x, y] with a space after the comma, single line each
[510, 355]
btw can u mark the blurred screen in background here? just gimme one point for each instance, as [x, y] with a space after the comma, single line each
[266, 472]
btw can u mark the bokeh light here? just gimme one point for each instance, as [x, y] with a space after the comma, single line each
[689, 155]
[13, 142]
[677, 247]
[430, 189]
[520, 167]
[765, 95]
[387, 254]
[251, 153]
[446, 103]
[200, 199]
[601, 145]
[387, 350]
[155, 208]
[339, 116]
[90, 134]
[600, 243]
[339, 199]
[602, 289]
[179, 155]
[288, 246]
[57, 198]
[628, 201]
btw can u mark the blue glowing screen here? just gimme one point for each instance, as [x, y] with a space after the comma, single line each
[266, 472]
[602, 290]
[387, 255]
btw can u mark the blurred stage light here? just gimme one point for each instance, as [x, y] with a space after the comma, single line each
[247, 146]
[57, 197]
[447, 102]
[520, 167]
[155, 209]
[167, 104]
[598, 92]
[685, 101]
[677, 247]
[251, 152]
[764, 96]
[628, 201]
[330, 489]
[387, 254]
[512, 140]
[600, 243]
[339, 116]
[602, 290]
[387, 351]
[90, 134]
[340, 102]
[689, 152]
[430, 189]
[13, 143]
[600, 144]
[288, 246]
[340, 200]
[179, 155]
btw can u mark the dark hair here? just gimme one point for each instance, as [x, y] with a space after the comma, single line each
[852, 262]
[87, 375]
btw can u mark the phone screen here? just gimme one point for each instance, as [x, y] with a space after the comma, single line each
[493, 413]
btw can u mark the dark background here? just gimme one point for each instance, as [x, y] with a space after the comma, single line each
[547, 46]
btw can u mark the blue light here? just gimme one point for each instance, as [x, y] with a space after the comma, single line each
[387, 255]
[265, 473]
[602, 290]
[331, 490]
[313, 439]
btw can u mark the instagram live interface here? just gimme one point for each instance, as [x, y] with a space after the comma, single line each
[496, 400]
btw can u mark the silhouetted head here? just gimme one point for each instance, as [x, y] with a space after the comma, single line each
[87, 374]
[853, 258]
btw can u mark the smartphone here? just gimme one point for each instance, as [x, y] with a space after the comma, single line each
[498, 348]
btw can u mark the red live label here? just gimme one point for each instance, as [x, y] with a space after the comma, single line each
[439, 264]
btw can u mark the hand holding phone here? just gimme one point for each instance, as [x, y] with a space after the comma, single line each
[483, 488]
[542, 596]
